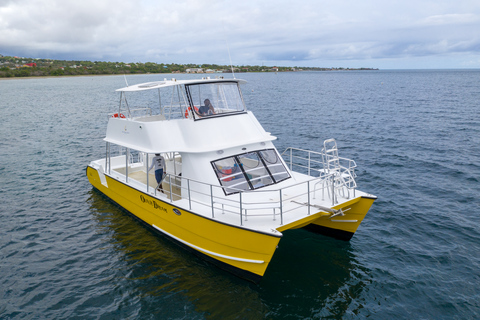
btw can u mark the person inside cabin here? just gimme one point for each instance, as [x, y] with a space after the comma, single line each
[207, 109]
[159, 162]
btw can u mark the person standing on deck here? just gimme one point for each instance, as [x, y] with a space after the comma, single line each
[159, 162]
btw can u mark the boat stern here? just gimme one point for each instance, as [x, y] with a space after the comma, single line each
[343, 226]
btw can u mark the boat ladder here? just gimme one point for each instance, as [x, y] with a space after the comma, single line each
[343, 177]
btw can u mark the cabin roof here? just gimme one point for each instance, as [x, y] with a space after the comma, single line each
[174, 82]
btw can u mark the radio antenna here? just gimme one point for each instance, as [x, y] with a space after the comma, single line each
[228, 48]
[231, 65]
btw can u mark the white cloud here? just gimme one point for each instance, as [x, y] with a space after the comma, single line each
[450, 19]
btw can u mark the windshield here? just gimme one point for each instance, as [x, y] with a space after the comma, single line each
[250, 171]
[211, 99]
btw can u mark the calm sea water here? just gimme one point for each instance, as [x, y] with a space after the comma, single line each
[67, 252]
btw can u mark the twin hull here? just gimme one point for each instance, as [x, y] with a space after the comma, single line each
[241, 251]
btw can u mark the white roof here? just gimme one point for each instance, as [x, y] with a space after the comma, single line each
[174, 82]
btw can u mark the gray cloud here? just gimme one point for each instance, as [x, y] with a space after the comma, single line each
[310, 33]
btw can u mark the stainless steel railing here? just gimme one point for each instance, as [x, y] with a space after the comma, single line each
[323, 164]
[278, 202]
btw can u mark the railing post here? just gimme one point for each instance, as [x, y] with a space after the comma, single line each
[109, 158]
[308, 191]
[333, 190]
[127, 153]
[281, 208]
[211, 200]
[189, 199]
[309, 162]
[324, 182]
[241, 218]
[146, 169]
[170, 183]
[106, 157]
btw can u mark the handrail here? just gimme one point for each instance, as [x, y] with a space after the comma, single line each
[130, 112]
[242, 205]
[343, 172]
[351, 162]
[271, 201]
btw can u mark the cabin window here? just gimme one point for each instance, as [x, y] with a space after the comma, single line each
[250, 171]
[212, 99]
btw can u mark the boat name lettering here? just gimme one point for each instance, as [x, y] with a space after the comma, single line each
[153, 203]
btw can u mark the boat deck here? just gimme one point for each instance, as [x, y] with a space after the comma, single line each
[141, 177]
[264, 210]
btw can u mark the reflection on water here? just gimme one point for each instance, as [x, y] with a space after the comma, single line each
[308, 273]
[158, 268]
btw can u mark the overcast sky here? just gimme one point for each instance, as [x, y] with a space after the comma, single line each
[386, 34]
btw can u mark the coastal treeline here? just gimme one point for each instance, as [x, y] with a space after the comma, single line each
[28, 67]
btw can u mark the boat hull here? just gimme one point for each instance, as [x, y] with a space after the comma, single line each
[241, 251]
[343, 227]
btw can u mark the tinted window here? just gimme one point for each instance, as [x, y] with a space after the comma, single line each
[250, 171]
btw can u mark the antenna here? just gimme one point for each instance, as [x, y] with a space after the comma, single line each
[231, 65]
[228, 49]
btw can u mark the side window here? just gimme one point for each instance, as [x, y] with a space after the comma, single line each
[256, 172]
[274, 165]
[250, 171]
[230, 175]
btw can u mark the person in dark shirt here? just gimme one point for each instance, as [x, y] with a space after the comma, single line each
[207, 109]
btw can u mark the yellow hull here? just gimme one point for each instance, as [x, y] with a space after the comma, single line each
[343, 227]
[241, 251]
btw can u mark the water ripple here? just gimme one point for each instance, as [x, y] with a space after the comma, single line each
[66, 252]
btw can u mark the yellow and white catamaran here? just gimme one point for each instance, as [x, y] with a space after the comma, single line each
[227, 194]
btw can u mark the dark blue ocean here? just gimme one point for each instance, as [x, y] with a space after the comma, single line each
[66, 252]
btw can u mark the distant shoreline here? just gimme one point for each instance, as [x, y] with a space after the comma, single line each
[135, 74]
[57, 77]
[17, 67]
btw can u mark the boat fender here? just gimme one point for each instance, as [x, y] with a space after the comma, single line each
[190, 109]
[118, 115]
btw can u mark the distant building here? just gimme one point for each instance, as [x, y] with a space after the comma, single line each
[194, 70]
